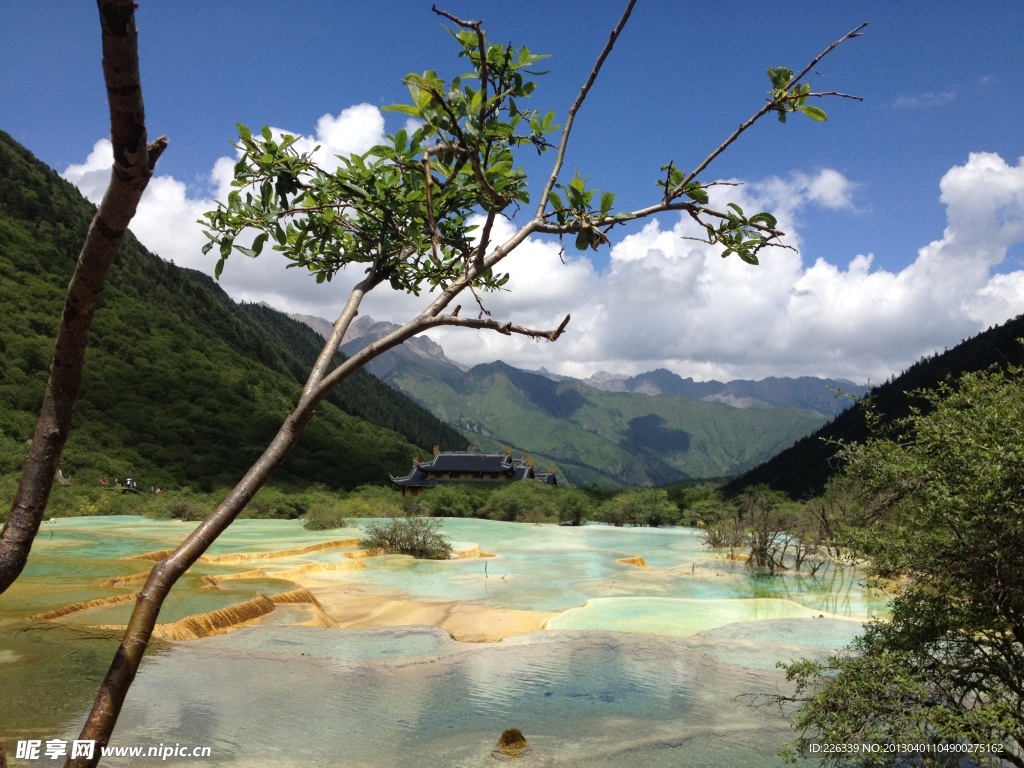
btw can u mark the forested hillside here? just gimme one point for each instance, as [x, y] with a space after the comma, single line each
[803, 469]
[182, 386]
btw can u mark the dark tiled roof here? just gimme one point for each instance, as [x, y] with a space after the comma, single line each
[469, 461]
[459, 462]
[415, 479]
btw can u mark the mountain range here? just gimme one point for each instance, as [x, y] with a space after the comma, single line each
[655, 428]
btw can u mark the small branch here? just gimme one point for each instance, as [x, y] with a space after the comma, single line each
[822, 94]
[768, 107]
[417, 326]
[692, 208]
[571, 116]
[473, 155]
[505, 328]
[341, 325]
[485, 238]
[431, 225]
[480, 303]
[474, 25]
[848, 36]
[477, 27]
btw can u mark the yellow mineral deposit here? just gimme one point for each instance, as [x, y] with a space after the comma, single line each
[119, 581]
[245, 557]
[293, 573]
[639, 562]
[465, 622]
[85, 605]
[154, 556]
[359, 554]
[468, 553]
[214, 622]
[211, 581]
[227, 619]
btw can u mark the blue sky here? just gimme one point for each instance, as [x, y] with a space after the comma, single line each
[939, 82]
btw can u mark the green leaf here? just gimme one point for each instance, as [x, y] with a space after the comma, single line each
[266, 133]
[780, 77]
[405, 109]
[815, 113]
[764, 218]
[401, 139]
[735, 208]
[698, 194]
[219, 268]
[582, 240]
[243, 131]
[607, 201]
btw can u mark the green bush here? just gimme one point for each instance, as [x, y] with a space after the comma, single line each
[274, 504]
[178, 505]
[696, 503]
[575, 507]
[445, 501]
[645, 506]
[523, 502]
[325, 516]
[372, 501]
[412, 535]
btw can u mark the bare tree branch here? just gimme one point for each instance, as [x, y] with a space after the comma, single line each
[571, 116]
[856, 32]
[134, 160]
[769, 106]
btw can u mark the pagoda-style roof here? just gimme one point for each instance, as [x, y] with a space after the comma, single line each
[456, 466]
[469, 461]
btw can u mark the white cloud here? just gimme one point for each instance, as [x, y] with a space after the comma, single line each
[671, 302]
[926, 99]
[667, 301]
[92, 176]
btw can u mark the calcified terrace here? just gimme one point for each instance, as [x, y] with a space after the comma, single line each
[651, 610]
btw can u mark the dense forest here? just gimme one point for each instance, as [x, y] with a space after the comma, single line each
[182, 387]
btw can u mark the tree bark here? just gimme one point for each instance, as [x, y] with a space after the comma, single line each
[134, 160]
[109, 699]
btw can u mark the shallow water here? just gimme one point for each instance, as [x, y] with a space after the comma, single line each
[641, 667]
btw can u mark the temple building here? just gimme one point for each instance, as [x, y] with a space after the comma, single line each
[469, 466]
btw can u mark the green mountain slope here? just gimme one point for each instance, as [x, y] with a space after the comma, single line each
[182, 386]
[608, 438]
[803, 469]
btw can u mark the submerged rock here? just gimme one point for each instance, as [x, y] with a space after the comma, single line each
[512, 743]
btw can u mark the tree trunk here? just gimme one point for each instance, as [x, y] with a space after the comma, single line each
[133, 166]
[109, 699]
